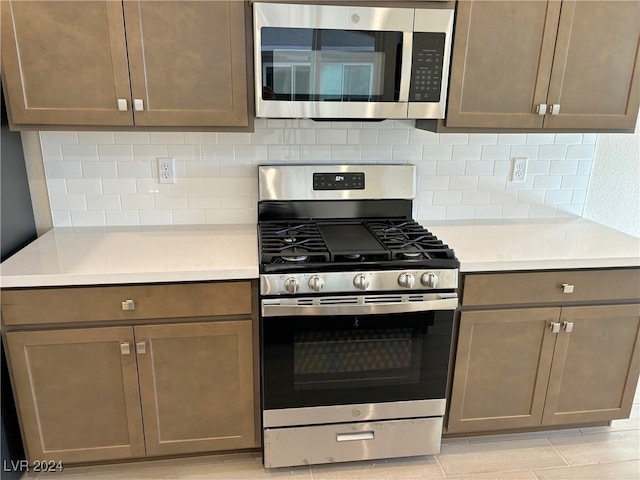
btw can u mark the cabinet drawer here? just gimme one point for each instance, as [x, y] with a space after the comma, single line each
[547, 287]
[93, 304]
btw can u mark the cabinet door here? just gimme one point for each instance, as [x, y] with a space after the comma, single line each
[501, 370]
[65, 62]
[77, 394]
[596, 71]
[502, 57]
[595, 367]
[196, 383]
[187, 62]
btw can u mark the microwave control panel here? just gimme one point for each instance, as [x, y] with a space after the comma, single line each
[426, 67]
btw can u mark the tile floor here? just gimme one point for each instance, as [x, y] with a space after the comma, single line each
[597, 453]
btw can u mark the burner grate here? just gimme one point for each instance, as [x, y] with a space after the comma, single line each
[408, 240]
[287, 242]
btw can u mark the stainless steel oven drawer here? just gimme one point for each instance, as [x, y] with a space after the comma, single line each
[343, 442]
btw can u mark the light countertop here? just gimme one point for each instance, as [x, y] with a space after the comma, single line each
[112, 255]
[119, 255]
[536, 244]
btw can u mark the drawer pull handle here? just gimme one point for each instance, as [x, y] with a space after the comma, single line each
[128, 305]
[555, 327]
[348, 437]
[141, 348]
[125, 348]
[568, 326]
[567, 288]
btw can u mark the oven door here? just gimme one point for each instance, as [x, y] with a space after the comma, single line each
[355, 353]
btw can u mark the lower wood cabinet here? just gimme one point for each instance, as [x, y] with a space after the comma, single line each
[513, 369]
[92, 394]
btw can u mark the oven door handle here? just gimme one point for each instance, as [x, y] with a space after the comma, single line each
[360, 308]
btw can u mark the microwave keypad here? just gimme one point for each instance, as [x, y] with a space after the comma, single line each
[426, 68]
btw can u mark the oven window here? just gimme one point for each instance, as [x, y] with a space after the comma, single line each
[339, 360]
[344, 359]
[304, 64]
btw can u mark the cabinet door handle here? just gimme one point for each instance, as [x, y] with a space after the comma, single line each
[541, 109]
[125, 348]
[555, 109]
[141, 348]
[568, 326]
[128, 305]
[567, 288]
[138, 106]
[122, 104]
[555, 327]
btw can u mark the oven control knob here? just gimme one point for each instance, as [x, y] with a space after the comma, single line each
[316, 283]
[429, 280]
[406, 280]
[361, 282]
[291, 285]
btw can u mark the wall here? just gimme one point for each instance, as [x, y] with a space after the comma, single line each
[110, 178]
[613, 196]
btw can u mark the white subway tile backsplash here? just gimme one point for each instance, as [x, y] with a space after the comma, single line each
[547, 182]
[63, 169]
[460, 212]
[103, 202]
[118, 185]
[111, 177]
[451, 167]
[80, 153]
[575, 181]
[127, 138]
[483, 139]
[155, 217]
[135, 170]
[188, 217]
[448, 197]
[393, 137]
[100, 170]
[122, 217]
[67, 202]
[480, 168]
[453, 139]
[165, 138]
[83, 185]
[564, 167]
[467, 152]
[96, 138]
[88, 219]
[540, 138]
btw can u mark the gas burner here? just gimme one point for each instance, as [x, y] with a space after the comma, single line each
[352, 256]
[295, 259]
[411, 255]
[289, 240]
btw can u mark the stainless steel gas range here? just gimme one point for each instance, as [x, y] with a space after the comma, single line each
[357, 305]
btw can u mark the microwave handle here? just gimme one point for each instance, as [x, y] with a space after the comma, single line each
[405, 71]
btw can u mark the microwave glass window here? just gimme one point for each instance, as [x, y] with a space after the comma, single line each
[330, 65]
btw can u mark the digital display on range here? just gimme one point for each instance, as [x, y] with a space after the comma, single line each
[338, 181]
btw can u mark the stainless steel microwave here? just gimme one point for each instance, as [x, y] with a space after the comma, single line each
[351, 62]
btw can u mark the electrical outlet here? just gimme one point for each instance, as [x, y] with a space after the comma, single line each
[166, 170]
[519, 169]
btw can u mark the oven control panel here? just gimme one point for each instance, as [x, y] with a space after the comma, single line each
[350, 282]
[338, 181]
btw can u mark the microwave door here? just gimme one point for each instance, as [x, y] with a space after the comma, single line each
[331, 61]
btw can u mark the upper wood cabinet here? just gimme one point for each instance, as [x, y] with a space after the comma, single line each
[143, 63]
[578, 59]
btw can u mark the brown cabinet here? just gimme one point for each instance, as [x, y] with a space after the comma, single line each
[519, 368]
[143, 63]
[146, 389]
[579, 60]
